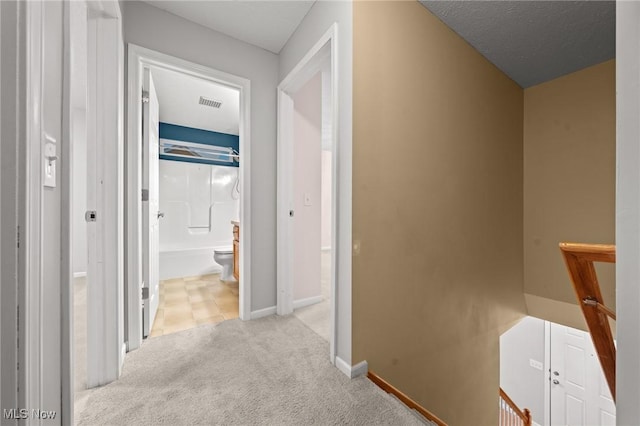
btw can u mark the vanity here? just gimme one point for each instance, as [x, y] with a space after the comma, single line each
[236, 249]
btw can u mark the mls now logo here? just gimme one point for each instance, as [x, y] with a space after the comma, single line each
[23, 413]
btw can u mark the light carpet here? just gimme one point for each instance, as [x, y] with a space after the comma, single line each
[272, 371]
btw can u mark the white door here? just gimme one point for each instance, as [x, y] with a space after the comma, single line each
[579, 391]
[150, 203]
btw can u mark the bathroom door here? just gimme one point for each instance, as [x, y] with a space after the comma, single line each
[150, 203]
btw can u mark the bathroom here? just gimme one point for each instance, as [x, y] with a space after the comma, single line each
[199, 193]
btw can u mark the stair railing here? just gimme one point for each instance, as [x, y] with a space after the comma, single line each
[510, 414]
[579, 259]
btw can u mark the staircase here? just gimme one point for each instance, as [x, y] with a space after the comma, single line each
[510, 414]
[580, 259]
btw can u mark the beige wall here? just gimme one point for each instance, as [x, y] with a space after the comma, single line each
[569, 184]
[437, 210]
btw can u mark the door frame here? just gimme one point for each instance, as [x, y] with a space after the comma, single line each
[138, 58]
[547, 368]
[105, 103]
[105, 315]
[325, 48]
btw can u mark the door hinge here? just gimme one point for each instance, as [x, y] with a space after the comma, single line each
[145, 195]
[145, 97]
[145, 293]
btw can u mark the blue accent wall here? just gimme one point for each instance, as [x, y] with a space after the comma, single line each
[205, 137]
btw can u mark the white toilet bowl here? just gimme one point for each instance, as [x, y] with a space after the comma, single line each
[224, 257]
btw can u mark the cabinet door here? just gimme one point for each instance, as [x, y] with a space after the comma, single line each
[236, 260]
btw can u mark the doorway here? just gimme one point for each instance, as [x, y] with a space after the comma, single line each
[193, 187]
[307, 190]
[147, 286]
[579, 393]
[554, 371]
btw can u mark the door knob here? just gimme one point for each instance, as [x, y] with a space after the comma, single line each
[160, 214]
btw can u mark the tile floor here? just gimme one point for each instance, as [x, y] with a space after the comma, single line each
[188, 302]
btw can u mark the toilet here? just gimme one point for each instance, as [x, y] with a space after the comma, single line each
[224, 257]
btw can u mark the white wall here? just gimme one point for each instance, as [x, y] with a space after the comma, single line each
[79, 138]
[316, 23]
[628, 212]
[307, 132]
[522, 382]
[155, 29]
[199, 202]
[325, 203]
[327, 158]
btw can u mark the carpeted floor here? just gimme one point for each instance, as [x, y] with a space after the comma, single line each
[272, 371]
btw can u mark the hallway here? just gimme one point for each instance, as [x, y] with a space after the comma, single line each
[268, 371]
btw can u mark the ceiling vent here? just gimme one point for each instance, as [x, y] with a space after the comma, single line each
[209, 102]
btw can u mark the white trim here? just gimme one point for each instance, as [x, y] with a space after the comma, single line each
[104, 138]
[627, 211]
[284, 234]
[360, 369]
[140, 57]
[79, 274]
[301, 303]
[325, 47]
[546, 371]
[14, 119]
[326, 248]
[33, 327]
[67, 227]
[123, 353]
[261, 313]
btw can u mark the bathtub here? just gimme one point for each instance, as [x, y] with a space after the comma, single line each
[189, 262]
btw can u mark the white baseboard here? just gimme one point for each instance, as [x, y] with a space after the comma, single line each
[123, 353]
[297, 304]
[260, 313]
[327, 248]
[360, 369]
[79, 274]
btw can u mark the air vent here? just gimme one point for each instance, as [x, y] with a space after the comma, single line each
[210, 102]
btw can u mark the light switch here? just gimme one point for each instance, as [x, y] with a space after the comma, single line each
[49, 161]
[307, 199]
[535, 364]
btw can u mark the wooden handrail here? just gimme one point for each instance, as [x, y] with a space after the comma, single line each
[579, 259]
[509, 412]
[389, 388]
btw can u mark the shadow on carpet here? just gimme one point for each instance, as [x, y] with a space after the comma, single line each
[271, 371]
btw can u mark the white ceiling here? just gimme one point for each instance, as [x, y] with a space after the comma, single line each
[179, 94]
[267, 24]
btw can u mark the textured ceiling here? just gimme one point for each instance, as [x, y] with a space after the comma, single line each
[534, 41]
[178, 95]
[266, 23]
